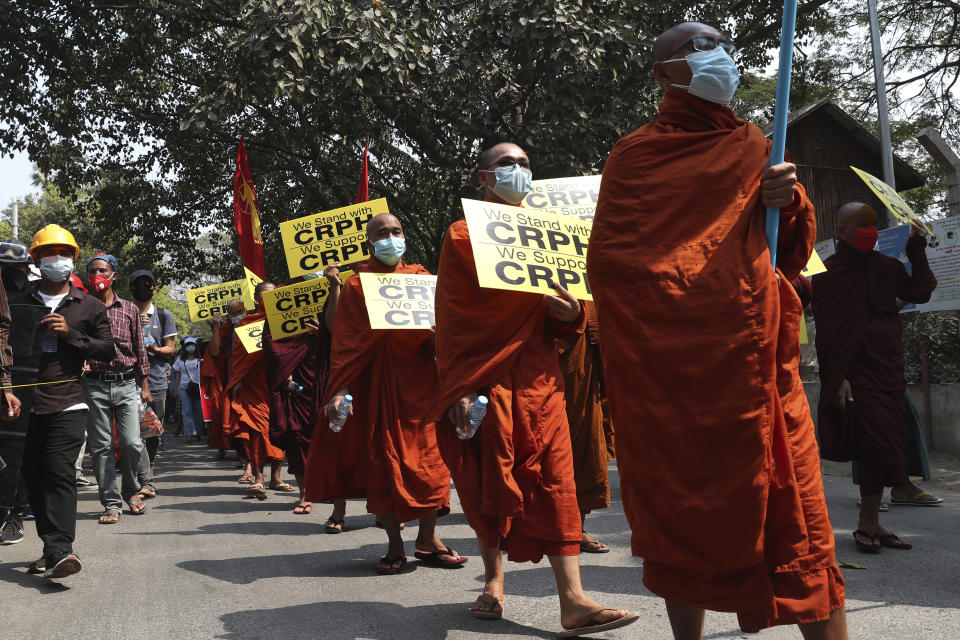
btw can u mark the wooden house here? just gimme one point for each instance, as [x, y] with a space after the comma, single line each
[824, 141]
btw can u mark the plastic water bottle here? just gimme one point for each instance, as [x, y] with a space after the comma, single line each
[293, 386]
[475, 412]
[342, 413]
[149, 341]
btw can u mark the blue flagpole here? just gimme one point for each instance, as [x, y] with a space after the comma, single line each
[781, 110]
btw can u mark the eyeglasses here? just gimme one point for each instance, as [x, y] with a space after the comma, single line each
[509, 162]
[704, 43]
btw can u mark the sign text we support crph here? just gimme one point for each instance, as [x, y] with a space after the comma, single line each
[520, 249]
[312, 242]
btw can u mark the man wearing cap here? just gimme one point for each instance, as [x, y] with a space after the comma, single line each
[111, 389]
[74, 327]
[159, 334]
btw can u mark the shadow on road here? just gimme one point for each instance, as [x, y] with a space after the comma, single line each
[349, 620]
[17, 574]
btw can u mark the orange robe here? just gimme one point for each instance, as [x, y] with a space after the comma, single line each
[720, 473]
[386, 451]
[582, 381]
[515, 476]
[248, 412]
[212, 369]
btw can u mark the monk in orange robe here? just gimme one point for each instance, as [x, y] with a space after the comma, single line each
[248, 410]
[212, 374]
[220, 350]
[514, 477]
[582, 369]
[385, 451]
[719, 468]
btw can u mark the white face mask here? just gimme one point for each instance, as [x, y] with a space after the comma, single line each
[56, 268]
[715, 76]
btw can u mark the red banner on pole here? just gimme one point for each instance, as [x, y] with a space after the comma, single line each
[363, 191]
[246, 216]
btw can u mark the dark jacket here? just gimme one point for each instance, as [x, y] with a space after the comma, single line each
[88, 338]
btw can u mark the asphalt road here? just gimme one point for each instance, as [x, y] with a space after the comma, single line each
[204, 562]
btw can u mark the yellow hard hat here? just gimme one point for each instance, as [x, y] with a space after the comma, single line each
[51, 235]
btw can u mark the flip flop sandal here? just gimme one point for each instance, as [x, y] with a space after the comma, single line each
[246, 479]
[432, 558]
[594, 627]
[385, 566]
[302, 509]
[281, 486]
[333, 526]
[586, 547]
[147, 493]
[891, 541]
[921, 499]
[137, 506]
[865, 548]
[112, 517]
[257, 491]
[491, 601]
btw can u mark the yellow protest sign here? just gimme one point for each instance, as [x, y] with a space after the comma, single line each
[289, 308]
[814, 265]
[251, 336]
[312, 242]
[521, 249]
[891, 199]
[252, 279]
[803, 329]
[205, 302]
[399, 300]
[575, 197]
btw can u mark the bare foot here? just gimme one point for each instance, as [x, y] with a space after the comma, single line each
[588, 612]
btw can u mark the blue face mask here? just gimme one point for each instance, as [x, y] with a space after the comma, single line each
[236, 320]
[313, 275]
[190, 348]
[56, 268]
[715, 76]
[389, 250]
[513, 183]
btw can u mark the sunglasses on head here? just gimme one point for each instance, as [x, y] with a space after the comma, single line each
[705, 43]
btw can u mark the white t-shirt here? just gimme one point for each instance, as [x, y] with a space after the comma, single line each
[52, 303]
[189, 370]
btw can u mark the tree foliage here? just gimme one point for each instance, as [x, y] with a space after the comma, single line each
[157, 92]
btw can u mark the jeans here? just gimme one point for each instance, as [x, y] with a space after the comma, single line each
[150, 445]
[53, 441]
[109, 401]
[192, 411]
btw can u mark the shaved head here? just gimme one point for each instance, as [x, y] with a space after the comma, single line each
[235, 307]
[856, 214]
[674, 38]
[263, 286]
[504, 150]
[382, 226]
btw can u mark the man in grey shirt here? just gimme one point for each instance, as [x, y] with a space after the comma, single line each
[159, 334]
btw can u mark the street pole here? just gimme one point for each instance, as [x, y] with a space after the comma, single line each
[886, 151]
[15, 221]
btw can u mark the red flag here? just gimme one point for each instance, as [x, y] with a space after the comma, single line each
[246, 216]
[363, 191]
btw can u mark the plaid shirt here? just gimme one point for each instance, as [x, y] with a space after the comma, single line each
[127, 331]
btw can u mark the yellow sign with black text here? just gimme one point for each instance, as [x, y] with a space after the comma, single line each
[312, 242]
[814, 265]
[520, 249]
[572, 197]
[891, 199]
[205, 302]
[290, 308]
[399, 300]
[251, 336]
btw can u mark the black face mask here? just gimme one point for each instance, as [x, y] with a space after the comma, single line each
[14, 279]
[141, 292]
